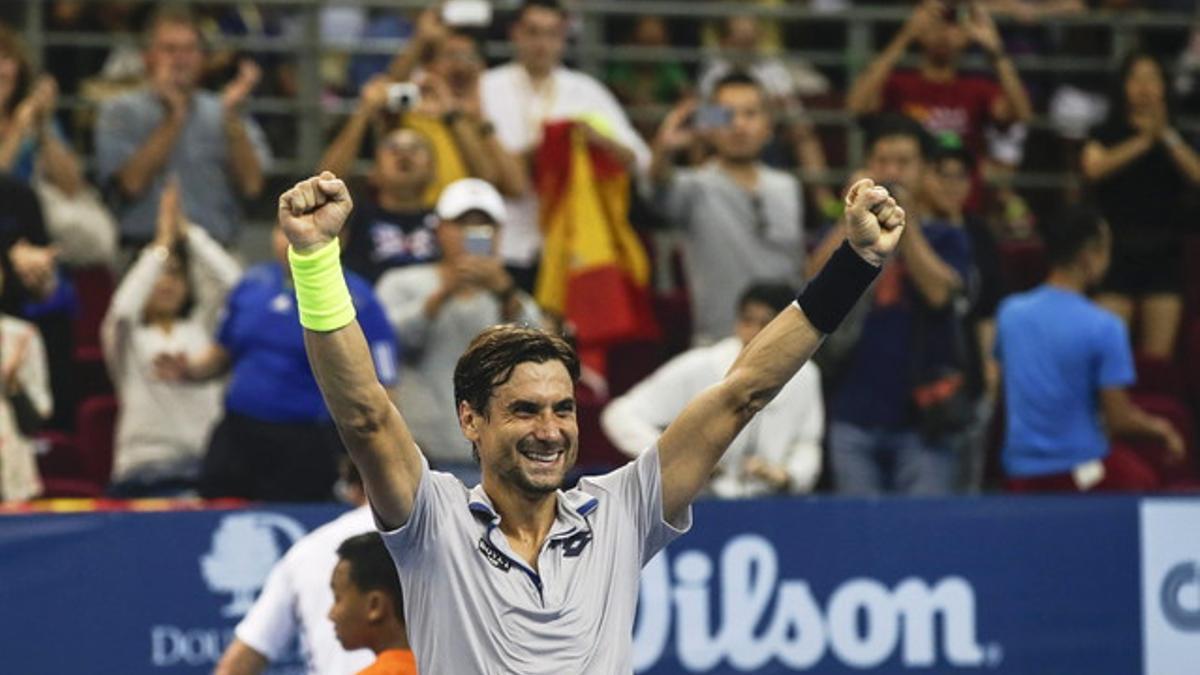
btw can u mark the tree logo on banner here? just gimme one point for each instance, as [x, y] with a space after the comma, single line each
[244, 549]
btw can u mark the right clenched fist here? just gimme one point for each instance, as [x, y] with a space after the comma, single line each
[313, 212]
[874, 222]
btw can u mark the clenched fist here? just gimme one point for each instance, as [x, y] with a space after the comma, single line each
[874, 222]
[314, 211]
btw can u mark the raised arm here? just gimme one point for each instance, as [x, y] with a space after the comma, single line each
[311, 215]
[866, 94]
[693, 444]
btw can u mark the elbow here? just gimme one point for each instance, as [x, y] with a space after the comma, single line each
[252, 186]
[361, 421]
[745, 394]
[130, 186]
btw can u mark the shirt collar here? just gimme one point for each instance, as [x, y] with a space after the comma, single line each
[573, 508]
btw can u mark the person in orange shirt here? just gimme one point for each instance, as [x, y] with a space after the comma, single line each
[368, 605]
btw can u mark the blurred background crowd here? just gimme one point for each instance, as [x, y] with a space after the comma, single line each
[655, 180]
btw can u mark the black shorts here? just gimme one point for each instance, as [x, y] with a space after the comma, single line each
[266, 461]
[1145, 265]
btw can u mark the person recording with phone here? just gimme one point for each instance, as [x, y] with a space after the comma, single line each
[744, 220]
[436, 310]
[937, 94]
[432, 86]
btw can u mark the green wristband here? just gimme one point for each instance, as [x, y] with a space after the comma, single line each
[322, 297]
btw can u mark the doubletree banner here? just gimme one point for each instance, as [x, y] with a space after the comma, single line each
[1060, 586]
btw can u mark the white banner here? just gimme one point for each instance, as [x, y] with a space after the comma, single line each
[1170, 587]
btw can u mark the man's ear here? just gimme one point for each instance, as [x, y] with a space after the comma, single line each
[377, 606]
[468, 421]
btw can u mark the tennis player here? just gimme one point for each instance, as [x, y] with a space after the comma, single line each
[516, 575]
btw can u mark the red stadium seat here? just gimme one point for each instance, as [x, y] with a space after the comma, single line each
[62, 468]
[1171, 472]
[96, 426]
[94, 285]
[1022, 264]
[1159, 376]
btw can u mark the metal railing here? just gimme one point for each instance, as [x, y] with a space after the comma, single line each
[861, 28]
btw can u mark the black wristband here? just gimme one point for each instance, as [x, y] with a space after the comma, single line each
[830, 296]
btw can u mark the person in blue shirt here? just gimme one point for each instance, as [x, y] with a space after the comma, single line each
[276, 441]
[1065, 363]
[906, 330]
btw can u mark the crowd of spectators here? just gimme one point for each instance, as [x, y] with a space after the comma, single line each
[466, 176]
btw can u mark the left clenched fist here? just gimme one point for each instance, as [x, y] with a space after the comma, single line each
[874, 222]
[314, 211]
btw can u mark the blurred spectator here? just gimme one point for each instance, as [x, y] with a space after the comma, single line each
[743, 220]
[945, 188]
[25, 405]
[642, 83]
[937, 95]
[275, 441]
[37, 290]
[899, 407]
[785, 82]
[779, 452]
[368, 605]
[1033, 11]
[437, 309]
[1140, 169]
[1066, 363]
[391, 225]
[167, 302]
[296, 598]
[29, 137]
[172, 127]
[521, 96]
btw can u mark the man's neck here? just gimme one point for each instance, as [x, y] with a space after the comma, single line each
[742, 172]
[1068, 279]
[537, 76]
[938, 72]
[525, 519]
[402, 199]
[394, 637]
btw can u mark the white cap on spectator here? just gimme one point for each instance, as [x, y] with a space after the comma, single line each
[470, 194]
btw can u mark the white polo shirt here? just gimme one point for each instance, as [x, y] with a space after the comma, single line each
[517, 110]
[297, 598]
[474, 606]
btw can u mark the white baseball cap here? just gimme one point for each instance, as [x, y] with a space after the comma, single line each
[471, 194]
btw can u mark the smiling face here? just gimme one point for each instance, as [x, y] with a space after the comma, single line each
[529, 438]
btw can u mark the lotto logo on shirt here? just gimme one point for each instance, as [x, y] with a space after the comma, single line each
[1170, 586]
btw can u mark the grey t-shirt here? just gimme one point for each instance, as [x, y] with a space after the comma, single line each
[200, 158]
[733, 238]
[473, 606]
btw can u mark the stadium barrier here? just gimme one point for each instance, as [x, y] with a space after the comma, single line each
[1098, 585]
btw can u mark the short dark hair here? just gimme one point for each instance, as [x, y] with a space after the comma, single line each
[552, 5]
[372, 568]
[493, 354]
[890, 125]
[948, 149]
[171, 13]
[1072, 230]
[774, 294]
[738, 78]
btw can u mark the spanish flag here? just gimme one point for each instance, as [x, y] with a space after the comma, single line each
[594, 270]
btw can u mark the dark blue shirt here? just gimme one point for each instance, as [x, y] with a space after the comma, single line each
[271, 378]
[1058, 350]
[876, 391]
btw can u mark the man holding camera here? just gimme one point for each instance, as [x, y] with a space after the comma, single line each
[744, 220]
[937, 95]
[438, 308]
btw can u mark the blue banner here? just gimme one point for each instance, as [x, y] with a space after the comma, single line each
[1039, 585]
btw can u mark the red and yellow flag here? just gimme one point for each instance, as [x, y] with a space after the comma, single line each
[594, 270]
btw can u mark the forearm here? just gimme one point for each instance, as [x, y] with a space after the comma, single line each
[10, 146]
[136, 175]
[934, 279]
[1099, 162]
[210, 364]
[513, 178]
[1014, 90]
[406, 61]
[60, 164]
[1183, 155]
[480, 163]
[243, 161]
[867, 92]
[340, 155]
